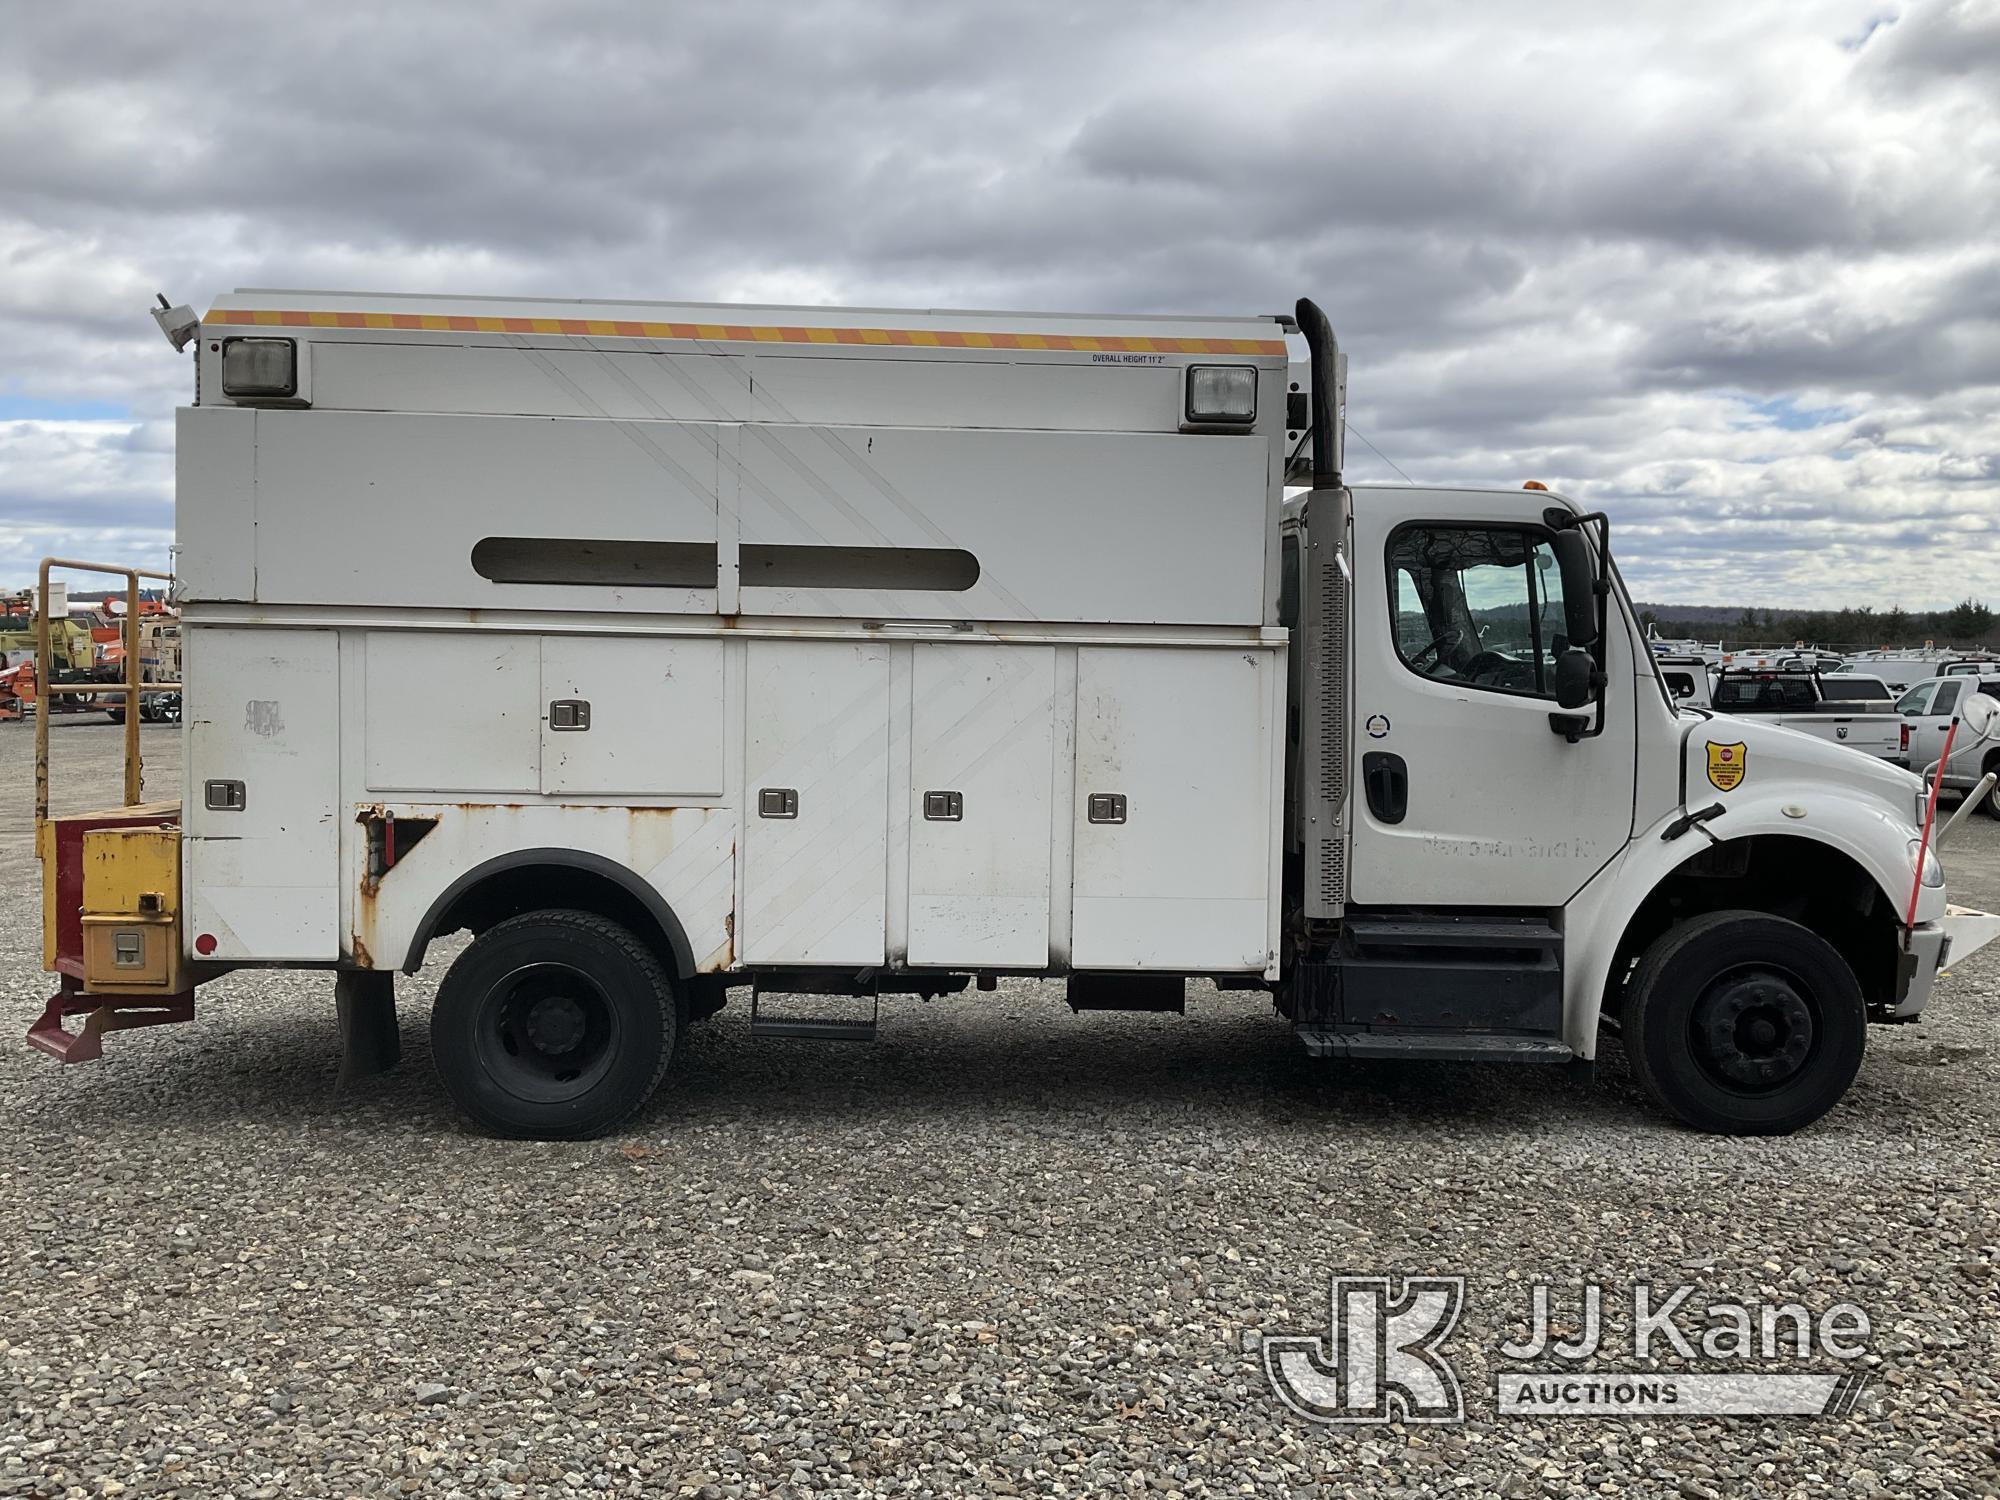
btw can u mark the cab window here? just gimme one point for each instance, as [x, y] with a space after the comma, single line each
[1480, 606]
[1914, 700]
[1947, 698]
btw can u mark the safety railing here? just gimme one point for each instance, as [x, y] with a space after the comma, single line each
[46, 687]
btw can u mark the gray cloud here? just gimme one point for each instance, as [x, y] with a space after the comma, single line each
[1559, 240]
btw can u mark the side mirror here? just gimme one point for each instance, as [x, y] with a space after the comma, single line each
[1579, 581]
[1577, 679]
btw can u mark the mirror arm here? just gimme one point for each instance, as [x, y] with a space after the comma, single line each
[1561, 518]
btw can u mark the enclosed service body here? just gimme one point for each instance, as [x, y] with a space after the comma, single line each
[668, 648]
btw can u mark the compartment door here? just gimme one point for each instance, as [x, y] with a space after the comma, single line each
[1176, 874]
[263, 713]
[816, 802]
[982, 737]
[644, 717]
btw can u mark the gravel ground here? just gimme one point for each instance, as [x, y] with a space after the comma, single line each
[1004, 1250]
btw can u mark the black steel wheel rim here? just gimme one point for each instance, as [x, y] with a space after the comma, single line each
[547, 1032]
[1754, 1029]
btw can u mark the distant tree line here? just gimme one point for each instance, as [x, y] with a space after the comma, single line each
[1966, 626]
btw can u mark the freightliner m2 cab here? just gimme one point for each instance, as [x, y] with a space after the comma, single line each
[676, 650]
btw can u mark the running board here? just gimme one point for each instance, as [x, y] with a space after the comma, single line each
[1321, 1041]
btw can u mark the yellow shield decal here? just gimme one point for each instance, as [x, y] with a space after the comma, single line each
[1726, 765]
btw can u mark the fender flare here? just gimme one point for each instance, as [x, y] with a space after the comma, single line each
[576, 859]
[1607, 904]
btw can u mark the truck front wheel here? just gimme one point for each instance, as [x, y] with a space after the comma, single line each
[1744, 1024]
[554, 1024]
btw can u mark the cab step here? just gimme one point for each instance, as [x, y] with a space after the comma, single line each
[1535, 934]
[1321, 1041]
[1475, 975]
[764, 1022]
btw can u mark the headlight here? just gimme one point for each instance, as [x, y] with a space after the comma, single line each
[1222, 393]
[1930, 872]
[260, 367]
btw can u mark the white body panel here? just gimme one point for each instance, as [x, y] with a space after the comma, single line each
[1153, 528]
[1186, 878]
[655, 711]
[264, 881]
[453, 712]
[215, 470]
[815, 880]
[437, 486]
[983, 727]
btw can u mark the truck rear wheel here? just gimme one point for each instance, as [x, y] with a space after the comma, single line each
[1991, 806]
[554, 1024]
[1744, 1024]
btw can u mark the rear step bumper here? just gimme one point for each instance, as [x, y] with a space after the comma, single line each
[101, 1013]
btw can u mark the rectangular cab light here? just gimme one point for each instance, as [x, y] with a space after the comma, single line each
[260, 367]
[1222, 393]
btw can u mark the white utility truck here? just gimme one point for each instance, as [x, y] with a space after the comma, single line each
[829, 652]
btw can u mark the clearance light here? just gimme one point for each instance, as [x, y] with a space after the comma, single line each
[1222, 393]
[260, 367]
[1535, 484]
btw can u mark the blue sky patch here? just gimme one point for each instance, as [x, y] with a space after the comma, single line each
[17, 408]
[1786, 412]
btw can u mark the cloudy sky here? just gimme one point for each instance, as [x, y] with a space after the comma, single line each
[1731, 271]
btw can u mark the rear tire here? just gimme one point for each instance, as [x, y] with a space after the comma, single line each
[1991, 805]
[556, 1025]
[1744, 1024]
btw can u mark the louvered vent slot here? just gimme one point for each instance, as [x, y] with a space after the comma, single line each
[1326, 688]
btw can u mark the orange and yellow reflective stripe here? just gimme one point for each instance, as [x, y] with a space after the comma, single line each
[917, 338]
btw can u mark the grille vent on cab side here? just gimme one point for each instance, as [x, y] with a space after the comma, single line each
[1325, 708]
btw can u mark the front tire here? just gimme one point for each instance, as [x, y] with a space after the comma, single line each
[1744, 1024]
[556, 1025]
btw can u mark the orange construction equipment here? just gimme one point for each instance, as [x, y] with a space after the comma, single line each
[17, 690]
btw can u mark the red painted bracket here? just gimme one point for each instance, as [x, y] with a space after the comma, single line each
[101, 1013]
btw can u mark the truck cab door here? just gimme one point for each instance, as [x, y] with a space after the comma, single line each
[1468, 795]
[1944, 707]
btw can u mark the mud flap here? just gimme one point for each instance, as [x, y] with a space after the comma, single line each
[370, 1042]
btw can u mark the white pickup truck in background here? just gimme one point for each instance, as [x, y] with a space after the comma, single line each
[1687, 677]
[1846, 708]
[1928, 710]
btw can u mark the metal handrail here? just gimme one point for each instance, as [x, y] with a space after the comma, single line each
[130, 688]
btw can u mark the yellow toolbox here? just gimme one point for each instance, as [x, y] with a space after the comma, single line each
[132, 911]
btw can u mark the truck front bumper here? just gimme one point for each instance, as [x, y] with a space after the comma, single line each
[1959, 934]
